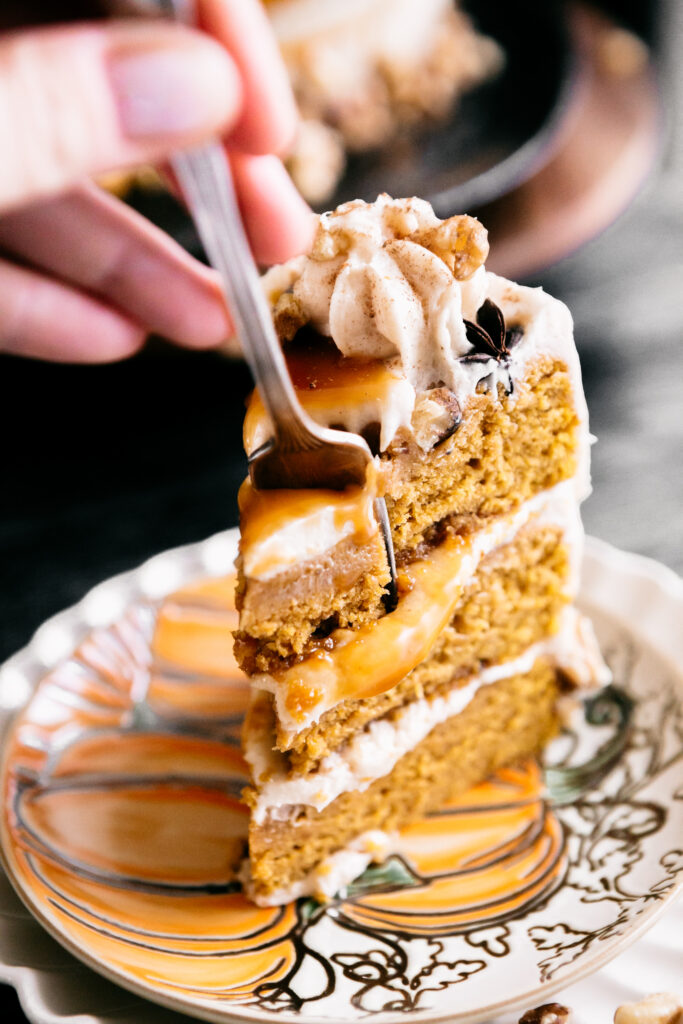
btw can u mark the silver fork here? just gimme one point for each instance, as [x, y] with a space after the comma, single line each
[301, 454]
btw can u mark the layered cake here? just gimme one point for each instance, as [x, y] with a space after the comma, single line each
[381, 692]
[363, 69]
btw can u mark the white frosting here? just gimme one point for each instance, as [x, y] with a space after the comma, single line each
[556, 506]
[384, 296]
[376, 750]
[307, 535]
[333, 873]
[380, 295]
[548, 331]
[392, 409]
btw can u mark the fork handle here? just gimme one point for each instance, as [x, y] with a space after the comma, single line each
[205, 177]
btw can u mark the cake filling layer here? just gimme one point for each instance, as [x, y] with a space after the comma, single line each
[375, 751]
[504, 722]
[368, 661]
[284, 528]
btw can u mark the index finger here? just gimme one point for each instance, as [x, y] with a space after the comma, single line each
[269, 119]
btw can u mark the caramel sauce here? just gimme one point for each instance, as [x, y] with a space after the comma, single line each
[374, 658]
[327, 385]
[264, 514]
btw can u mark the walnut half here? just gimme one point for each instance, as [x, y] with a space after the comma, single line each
[461, 242]
[661, 1008]
[436, 416]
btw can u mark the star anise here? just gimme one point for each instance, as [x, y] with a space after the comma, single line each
[489, 337]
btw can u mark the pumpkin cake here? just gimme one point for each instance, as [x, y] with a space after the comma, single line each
[364, 70]
[380, 691]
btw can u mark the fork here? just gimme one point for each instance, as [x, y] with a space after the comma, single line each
[301, 453]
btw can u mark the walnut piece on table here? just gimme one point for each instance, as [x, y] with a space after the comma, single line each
[660, 1008]
[548, 1013]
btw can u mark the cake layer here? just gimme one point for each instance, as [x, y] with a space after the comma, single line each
[362, 663]
[514, 600]
[506, 450]
[503, 722]
[282, 619]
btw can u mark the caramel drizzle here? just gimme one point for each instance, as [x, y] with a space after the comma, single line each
[370, 660]
[327, 384]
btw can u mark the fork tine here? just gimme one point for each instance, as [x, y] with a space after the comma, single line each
[391, 596]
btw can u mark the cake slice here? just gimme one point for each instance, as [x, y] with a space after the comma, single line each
[376, 699]
[364, 70]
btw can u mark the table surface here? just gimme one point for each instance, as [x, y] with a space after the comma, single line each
[105, 466]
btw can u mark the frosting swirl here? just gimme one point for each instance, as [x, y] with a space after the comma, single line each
[388, 280]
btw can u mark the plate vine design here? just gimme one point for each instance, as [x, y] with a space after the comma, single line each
[124, 830]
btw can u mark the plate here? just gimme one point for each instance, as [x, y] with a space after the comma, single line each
[500, 900]
[498, 135]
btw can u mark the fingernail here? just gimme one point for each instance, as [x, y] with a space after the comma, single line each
[176, 91]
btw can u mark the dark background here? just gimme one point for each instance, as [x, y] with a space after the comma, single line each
[105, 466]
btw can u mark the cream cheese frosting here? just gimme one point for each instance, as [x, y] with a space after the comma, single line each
[376, 750]
[379, 293]
[391, 281]
[324, 675]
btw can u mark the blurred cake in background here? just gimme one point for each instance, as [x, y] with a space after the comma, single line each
[361, 70]
[364, 69]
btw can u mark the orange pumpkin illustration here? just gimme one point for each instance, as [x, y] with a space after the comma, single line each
[479, 861]
[126, 832]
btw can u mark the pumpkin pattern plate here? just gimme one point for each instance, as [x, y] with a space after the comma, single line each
[122, 827]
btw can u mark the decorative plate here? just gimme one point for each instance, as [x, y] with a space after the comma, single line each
[122, 824]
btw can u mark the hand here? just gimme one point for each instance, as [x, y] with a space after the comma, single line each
[82, 276]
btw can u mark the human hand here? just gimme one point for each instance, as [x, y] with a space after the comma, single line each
[83, 277]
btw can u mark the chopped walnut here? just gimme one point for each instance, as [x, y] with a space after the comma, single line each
[436, 416]
[288, 316]
[549, 1013]
[461, 242]
[661, 1008]
[404, 220]
[328, 243]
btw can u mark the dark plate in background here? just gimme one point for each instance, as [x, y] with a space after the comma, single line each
[498, 134]
[496, 138]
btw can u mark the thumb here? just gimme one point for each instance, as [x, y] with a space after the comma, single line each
[76, 101]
